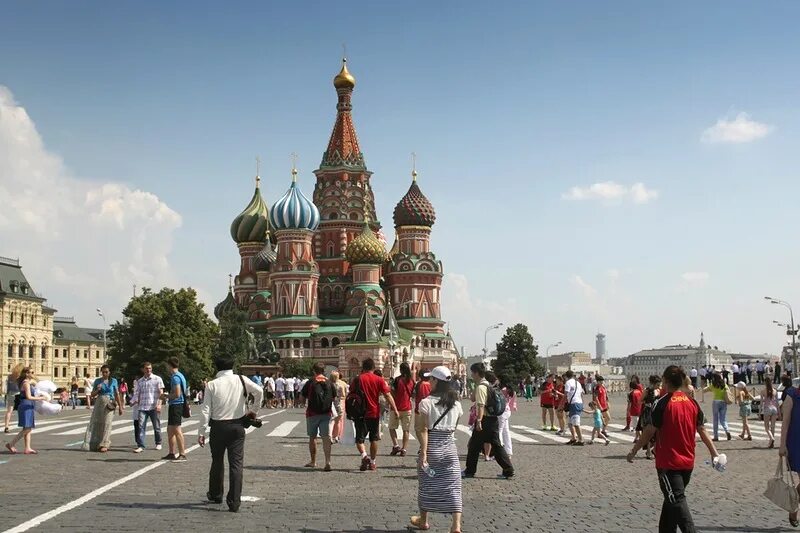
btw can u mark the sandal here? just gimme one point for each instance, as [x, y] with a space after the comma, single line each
[310, 465]
[102, 450]
[416, 522]
[10, 448]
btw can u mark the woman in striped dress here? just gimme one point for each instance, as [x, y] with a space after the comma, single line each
[439, 470]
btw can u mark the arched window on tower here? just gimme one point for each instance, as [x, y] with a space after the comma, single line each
[354, 216]
[335, 342]
[324, 342]
[331, 249]
[306, 344]
[296, 343]
[333, 216]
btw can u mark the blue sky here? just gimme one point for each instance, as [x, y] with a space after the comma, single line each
[683, 116]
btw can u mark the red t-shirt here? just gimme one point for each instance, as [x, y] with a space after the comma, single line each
[546, 399]
[677, 418]
[308, 390]
[562, 399]
[372, 386]
[423, 391]
[602, 397]
[636, 402]
[402, 393]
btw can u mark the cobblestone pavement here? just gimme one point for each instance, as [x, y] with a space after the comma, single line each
[557, 488]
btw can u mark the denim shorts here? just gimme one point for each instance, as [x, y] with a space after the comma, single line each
[318, 426]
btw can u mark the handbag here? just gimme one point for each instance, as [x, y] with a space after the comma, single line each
[187, 409]
[782, 492]
[728, 395]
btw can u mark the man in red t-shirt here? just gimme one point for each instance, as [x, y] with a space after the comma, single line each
[319, 393]
[547, 403]
[372, 387]
[634, 405]
[676, 418]
[402, 389]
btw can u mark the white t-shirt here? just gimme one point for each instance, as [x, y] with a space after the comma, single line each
[703, 372]
[573, 391]
[693, 373]
[759, 367]
[270, 384]
[289, 384]
[280, 383]
[432, 412]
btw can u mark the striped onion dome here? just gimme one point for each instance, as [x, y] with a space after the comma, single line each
[414, 209]
[366, 249]
[294, 210]
[253, 223]
[225, 306]
[265, 257]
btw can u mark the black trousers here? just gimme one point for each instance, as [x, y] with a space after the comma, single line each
[226, 435]
[490, 433]
[675, 511]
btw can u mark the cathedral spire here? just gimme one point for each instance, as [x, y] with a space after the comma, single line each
[343, 149]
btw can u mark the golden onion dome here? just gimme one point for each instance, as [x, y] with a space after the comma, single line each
[344, 80]
[366, 249]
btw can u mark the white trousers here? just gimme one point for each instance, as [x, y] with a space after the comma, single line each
[505, 432]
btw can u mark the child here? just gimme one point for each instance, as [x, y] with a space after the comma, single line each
[64, 398]
[597, 430]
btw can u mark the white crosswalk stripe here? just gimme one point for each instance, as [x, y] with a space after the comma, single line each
[283, 429]
[547, 435]
[81, 430]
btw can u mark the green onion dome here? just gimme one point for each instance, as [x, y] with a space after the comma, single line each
[226, 305]
[252, 224]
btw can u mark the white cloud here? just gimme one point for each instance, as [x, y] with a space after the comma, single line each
[82, 243]
[740, 129]
[612, 192]
[695, 278]
[469, 316]
[587, 289]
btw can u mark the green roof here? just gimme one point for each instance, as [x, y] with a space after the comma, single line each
[292, 335]
[436, 335]
[343, 328]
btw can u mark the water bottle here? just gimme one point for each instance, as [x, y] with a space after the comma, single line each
[720, 462]
[428, 470]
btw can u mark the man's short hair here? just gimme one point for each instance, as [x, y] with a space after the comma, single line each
[568, 374]
[319, 368]
[173, 362]
[223, 362]
[675, 376]
[478, 368]
[146, 363]
[368, 365]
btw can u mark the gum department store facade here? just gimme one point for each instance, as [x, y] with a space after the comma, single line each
[316, 277]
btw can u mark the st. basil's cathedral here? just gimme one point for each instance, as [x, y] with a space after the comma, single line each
[315, 274]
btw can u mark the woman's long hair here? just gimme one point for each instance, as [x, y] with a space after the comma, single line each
[23, 375]
[770, 391]
[716, 381]
[447, 395]
[16, 371]
[405, 371]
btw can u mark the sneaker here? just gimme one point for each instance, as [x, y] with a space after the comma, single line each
[209, 499]
[506, 475]
[395, 450]
[544, 428]
[403, 453]
[553, 428]
[169, 457]
[608, 442]
[138, 450]
[570, 442]
[579, 443]
[560, 432]
[364, 463]
[158, 446]
[373, 466]
[180, 459]
[464, 475]
[604, 433]
[590, 442]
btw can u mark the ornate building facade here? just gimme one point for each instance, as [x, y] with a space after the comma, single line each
[315, 275]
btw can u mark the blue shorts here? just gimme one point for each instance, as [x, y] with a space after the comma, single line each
[318, 426]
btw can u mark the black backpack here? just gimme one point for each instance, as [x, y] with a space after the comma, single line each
[321, 398]
[495, 402]
[355, 404]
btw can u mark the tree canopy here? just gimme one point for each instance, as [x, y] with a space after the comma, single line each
[235, 338]
[160, 325]
[516, 356]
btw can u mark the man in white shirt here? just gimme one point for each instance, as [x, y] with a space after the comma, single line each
[280, 391]
[693, 377]
[573, 392]
[289, 392]
[735, 371]
[269, 392]
[88, 385]
[225, 410]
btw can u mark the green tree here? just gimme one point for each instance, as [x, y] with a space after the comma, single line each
[516, 356]
[296, 366]
[160, 325]
[235, 339]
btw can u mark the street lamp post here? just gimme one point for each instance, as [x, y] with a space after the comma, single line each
[794, 331]
[485, 350]
[547, 356]
[105, 328]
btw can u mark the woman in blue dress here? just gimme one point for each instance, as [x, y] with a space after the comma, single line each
[28, 397]
[790, 437]
[107, 399]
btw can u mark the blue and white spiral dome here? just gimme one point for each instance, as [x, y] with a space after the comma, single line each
[294, 211]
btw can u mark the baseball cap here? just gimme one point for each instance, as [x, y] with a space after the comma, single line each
[442, 373]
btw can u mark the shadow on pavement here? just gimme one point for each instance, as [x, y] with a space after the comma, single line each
[747, 529]
[363, 530]
[164, 506]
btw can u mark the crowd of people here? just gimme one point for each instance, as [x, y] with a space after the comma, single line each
[663, 414]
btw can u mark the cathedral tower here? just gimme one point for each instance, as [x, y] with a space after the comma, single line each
[414, 275]
[294, 275]
[344, 198]
[249, 232]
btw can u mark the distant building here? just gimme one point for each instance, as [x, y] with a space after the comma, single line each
[647, 362]
[600, 348]
[574, 361]
[77, 351]
[26, 323]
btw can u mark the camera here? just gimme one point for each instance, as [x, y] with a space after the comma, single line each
[250, 420]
